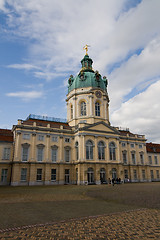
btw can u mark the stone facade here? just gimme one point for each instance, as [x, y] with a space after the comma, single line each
[84, 150]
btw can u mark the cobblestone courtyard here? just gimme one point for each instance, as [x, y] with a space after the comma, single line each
[137, 224]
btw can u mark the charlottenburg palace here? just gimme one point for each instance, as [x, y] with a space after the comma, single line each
[85, 149]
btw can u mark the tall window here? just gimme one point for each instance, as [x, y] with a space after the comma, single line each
[150, 160]
[112, 151]
[66, 176]
[141, 158]
[23, 174]
[53, 175]
[143, 174]
[4, 175]
[25, 152]
[101, 150]
[89, 149]
[40, 149]
[39, 174]
[77, 150]
[67, 154]
[124, 153]
[90, 176]
[83, 108]
[156, 160]
[135, 174]
[97, 109]
[71, 111]
[133, 158]
[125, 173]
[157, 172]
[152, 174]
[6, 153]
[54, 154]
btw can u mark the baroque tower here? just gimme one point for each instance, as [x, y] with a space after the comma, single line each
[87, 98]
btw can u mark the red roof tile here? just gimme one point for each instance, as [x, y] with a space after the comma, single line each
[153, 147]
[6, 135]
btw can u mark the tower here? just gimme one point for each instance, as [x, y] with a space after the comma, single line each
[87, 98]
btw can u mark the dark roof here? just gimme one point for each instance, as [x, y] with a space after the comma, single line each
[44, 123]
[124, 133]
[6, 135]
[153, 147]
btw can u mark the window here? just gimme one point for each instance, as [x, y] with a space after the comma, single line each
[6, 153]
[77, 150]
[26, 136]
[112, 151]
[54, 154]
[89, 149]
[53, 175]
[123, 144]
[66, 176]
[54, 139]
[124, 157]
[133, 158]
[157, 173]
[152, 174]
[40, 150]
[4, 175]
[90, 176]
[67, 154]
[39, 174]
[97, 109]
[135, 174]
[141, 158]
[102, 175]
[125, 173]
[132, 145]
[101, 151]
[114, 173]
[41, 137]
[23, 174]
[156, 160]
[71, 111]
[67, 140]
[140, 146]
[25, 152]
[83, 108]
[143, 174]
[150, 160]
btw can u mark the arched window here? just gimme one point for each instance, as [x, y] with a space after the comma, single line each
[71, 111]
[83, 108]
[101, 150]
[97, 109]
[112, 151]
[89, 149]
[77, 153]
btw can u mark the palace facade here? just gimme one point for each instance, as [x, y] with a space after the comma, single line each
[85, 149]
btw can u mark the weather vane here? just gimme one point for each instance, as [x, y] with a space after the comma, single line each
[86, 48]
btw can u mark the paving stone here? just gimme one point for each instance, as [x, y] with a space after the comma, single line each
[139, 224]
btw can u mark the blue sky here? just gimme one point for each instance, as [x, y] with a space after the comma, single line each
[41, 45]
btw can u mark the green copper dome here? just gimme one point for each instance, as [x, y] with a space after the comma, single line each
[87, 77]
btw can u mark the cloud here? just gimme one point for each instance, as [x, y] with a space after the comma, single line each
[124, 41]
[141, 113]
[26, 96]
[23, 66]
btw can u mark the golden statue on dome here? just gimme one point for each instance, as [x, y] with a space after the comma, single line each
[86, 48]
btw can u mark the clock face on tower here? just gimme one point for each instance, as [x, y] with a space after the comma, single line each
[98, 94]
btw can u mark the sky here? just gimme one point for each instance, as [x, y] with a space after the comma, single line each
[41, 45]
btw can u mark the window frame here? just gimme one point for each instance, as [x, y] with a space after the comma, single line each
[83, 108]
[97, 109]
[89, 150]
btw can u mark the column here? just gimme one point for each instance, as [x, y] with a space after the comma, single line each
[91, 105]
[17, 150]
